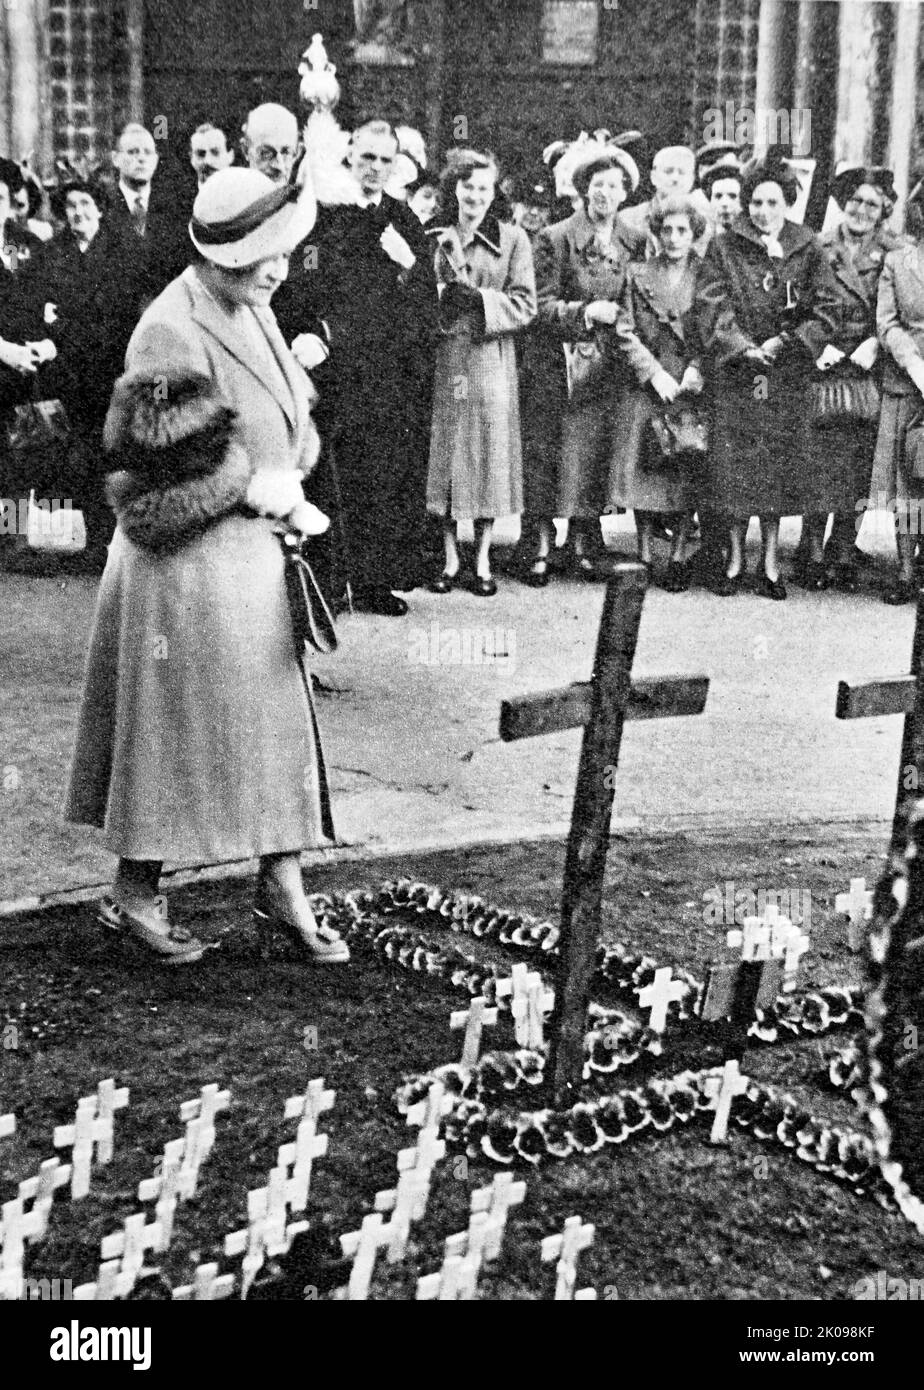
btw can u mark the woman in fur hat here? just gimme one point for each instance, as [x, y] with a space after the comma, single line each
[197, 740]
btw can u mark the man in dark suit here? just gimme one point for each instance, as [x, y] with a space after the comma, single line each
[139, 205]
[368, 276]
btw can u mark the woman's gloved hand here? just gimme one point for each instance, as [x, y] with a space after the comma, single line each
[308, 519]
[458, 299]
[275, 491]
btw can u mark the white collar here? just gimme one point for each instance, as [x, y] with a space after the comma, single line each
[131, 195]
[365, 202]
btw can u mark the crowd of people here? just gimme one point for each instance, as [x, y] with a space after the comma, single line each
[552, 346]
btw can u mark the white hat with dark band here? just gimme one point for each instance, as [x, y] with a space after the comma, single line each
[240, 217]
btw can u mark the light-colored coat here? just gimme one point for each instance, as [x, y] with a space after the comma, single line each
[476, 464]
[900, 328]
[197, 740]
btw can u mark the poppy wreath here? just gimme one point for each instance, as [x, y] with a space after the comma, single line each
[477, 1127]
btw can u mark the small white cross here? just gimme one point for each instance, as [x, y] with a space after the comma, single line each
[208, 1286]
[858, 905]
[7, 1126]
[312, 1105]
[478, 1016]
[86, 1133]
[16, 1227]
[658, 995]
[108, 1101]
[428, 1113]
[251, 1242]
[110, 1284]
[209, 1103]
[129, 1245]
[565, 1248]
[456, 1281]
[517, 988]
[41, 1189]
[754, 940]
[497, 1200]
[167, 1187]
[299, 1156]
[472, 1243]
[364, 1246]
[408, 1203]
[722, 1091]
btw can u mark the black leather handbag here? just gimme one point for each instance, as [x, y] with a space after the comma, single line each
[312, 621]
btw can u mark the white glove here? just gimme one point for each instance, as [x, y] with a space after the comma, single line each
[664, 385]
[310, 351]
[44, 351]
[394, 245]
[308, 519]
[829, 358]
[275, 491]
[692, 380]
[18, 358]
[865, 355]
[602, 311]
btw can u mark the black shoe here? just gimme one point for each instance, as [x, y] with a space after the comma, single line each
[845, 578]
[725, 585]
[904, 591]
[765, 587]
[443, 583]
[813, 575]
[381, 601]
[677, 578]
[484, 588]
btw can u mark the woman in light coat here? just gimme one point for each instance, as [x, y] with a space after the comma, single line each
[484, 270]
[900, 326]
[197, 740]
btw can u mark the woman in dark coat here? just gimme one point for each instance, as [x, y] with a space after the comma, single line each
[766, 306]
[900, 327]
[843, 456]
[658, 337]
[89, 278]
[581, 267]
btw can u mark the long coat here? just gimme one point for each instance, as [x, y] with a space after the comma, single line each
[571, 272]
[476, 466]
[843, 454]
[657, 331]
[375, 389]
[760, 459]
[197, 740]
[900, 328]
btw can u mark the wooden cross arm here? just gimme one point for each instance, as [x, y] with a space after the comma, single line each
[874, 698]
[551, 711]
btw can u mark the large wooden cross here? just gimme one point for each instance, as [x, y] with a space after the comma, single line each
[599, 706]
[871, 699]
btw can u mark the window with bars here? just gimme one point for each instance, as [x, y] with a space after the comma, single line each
[88, 51]
[726, 54]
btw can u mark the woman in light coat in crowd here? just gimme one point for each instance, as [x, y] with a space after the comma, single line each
[581, 267]
[484, 270]
[197, 740]
[900, 326]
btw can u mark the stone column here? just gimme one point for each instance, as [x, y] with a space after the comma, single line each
[856, 81]
[134, 25]
[24, 101]
[902, 108]
[434, 59]
[772, 90]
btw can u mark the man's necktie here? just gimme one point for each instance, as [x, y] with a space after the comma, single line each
[139, 216]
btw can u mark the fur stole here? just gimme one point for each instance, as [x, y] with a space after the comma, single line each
[177, 468]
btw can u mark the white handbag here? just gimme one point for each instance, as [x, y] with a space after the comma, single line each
[61, 529]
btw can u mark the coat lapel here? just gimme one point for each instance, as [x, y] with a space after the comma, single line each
[210, 317]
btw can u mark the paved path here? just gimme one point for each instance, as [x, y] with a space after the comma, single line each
[412, 742]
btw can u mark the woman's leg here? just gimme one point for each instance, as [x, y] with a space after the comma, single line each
[643, 528]
[484, 528]
[905, 541]
[817, 524]
[281, 877]
[450, 546]
[681, 527]
[770, 526]
[736, 533]
[136, 881]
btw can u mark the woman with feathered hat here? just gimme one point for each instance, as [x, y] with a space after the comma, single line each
[197, 740]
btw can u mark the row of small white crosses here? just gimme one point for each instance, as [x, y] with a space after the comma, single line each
[772, 937]
[530, 1001]
[90, 1136]
[722, 1091]
[565, 1248]
[466, 1253]
[858, 905]
[18, 1225]
[269, 1231]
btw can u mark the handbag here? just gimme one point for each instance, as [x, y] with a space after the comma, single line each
[589, 371]
[843, 398]
[676, 432]
[914, 448]
[61, 529]
[36, 425]
[312, 621]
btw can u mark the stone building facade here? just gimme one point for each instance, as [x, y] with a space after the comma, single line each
[512, 73]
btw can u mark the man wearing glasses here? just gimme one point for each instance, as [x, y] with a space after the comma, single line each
[270, 142]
